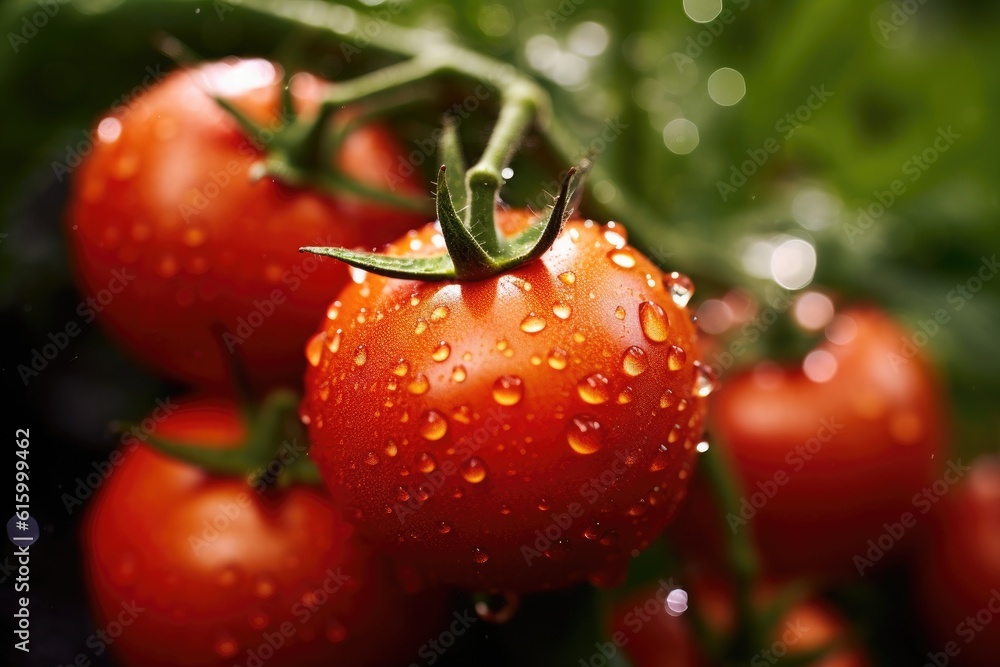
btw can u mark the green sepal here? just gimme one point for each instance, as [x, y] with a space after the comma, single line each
[412, 268]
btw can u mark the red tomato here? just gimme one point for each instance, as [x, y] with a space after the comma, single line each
[654, 631]
[202, 570]
[522, 432]
[170, 234]
[960, 572]
[827, 465]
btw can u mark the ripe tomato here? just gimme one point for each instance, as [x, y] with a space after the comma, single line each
[653, 630]
[516, 433]
[960, 572]
[825, 466]
[170, 234]
[185, 568]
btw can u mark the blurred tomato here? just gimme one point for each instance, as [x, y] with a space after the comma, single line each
[833, 457]
[653, 630]
[185, 568]
[170, 233]
[960, 572]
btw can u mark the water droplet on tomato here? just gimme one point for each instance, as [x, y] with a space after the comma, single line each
[458, 373]
[584, 434]
[419, 385]
[593, 389]
[426, 463]
[421, 326]
[567, 277]
[704, 383]
[441, 352]
[314, 348]
[676, 358]
[434, 425]
[558, 358]
[634, 361]
[532, 323]
[440, 313]
[372, 459]
[508, 390]
[479, 556]
[653, 321]
[680, 287]
[620, 313]
[462, 414]
[562, 310]
[360, 355]
[444, 527]
[474, 470]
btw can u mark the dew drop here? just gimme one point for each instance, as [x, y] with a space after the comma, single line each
[333, 342]
[579, 337]
[653, 321]
[623, 258]
[620, 313]
[419, 385]
[676, 358]
[444, 527]
[625, 396]
[426, 463]
[360, 355]
[593, 389]
[615, 237]
[680, 287]
[440, 313]
[634, 361]
[675, 434]
[558, 358]
[402, 495]
[372, 459]
[592, 532]
[474, 470]
[704, 383]
[414, 300]
[532, 323]
[434, 425]
[314, 348]
[660, 459]
[584, 434]
[667, 399]
[567, 277]
[562, 310]
[479, 556]
[544, 505]
[441, 352]
[462, 414]
[421, 326]
[401, 369]
[458, 373]
[508, 390]
[390, 448]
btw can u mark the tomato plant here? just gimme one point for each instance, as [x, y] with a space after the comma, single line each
[522, 431]
[959, 573]
[176, 225]
[204, 569]
[827, 465]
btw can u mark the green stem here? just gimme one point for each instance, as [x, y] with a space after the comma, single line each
[739, 549]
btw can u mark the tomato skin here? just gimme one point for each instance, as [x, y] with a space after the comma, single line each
[959, 571]
[653, 637]
[170, 235]
[201, 569]
[825, 466]
[440, 414]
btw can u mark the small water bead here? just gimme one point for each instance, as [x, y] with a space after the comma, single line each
[419, 385]
[502, 345]
[620, 313]
[680, 287]
[421, 326]
[544, 505]
[704, 383]
[653, 321]
[535, 360]
[532, 323]
[414, 300]
[562, 310]
[675, 434]
[390, 448]
[583, 433]
[558, 358]
[372, 459]
[441, 352]
[434, 425]
[402, 495]
[623, 258]
[667, 399]
[660, 460]
[504, 510]
[638, 509]
[314, 348]
[440, 313]
[593, 532]
[578, 337]
[479, 556]
[402, 368]
[593, 389]
[360, 355]
[333, 311]
[333, 342]
[474, 471]
[462, 414]
[634, 361]
[508, 390]
[625, 396]
[444, 528]
[458, 374]
[615, 237]
[567, 277]
[676, 358]
[426, 463]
